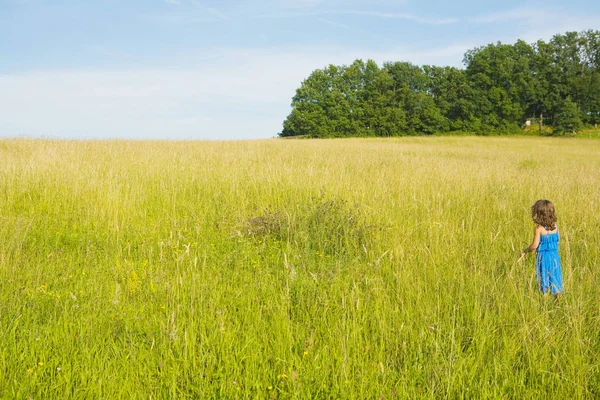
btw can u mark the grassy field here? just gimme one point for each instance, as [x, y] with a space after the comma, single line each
[352, 269]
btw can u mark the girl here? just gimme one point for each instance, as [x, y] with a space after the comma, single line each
[545, 242]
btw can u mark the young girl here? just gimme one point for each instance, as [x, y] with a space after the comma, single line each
[545, 242]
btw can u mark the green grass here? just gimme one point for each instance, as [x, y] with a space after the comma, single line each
[354, 269]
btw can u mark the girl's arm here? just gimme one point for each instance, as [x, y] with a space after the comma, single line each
[534, 244]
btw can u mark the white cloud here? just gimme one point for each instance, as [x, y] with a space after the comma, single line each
[406, 16]
[218, 14]
[516, 14]
[245, 93]
[375, 14]
[299, 3]
[334, 23]
[306, 4]
[531, 24]
[189, 12]
[176, 18]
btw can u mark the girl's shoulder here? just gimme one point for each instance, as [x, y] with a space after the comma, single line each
[539, 228]
[543, 231]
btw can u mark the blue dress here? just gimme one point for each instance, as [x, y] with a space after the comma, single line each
[549, 273]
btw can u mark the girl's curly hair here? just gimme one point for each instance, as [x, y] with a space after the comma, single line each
[543, 214]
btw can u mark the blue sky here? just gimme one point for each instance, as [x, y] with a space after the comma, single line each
[206, 69]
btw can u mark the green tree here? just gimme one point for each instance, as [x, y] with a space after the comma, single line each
[590, 102]
[503, 84]
[308, 116]
[568, 59]
[568, 118]
[454, 96]
[548, 80]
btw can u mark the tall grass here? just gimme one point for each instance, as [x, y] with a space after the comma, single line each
[270, 269]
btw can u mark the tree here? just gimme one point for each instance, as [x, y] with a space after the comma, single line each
[454, 96]
[568, 118]
[501, 86]
[590, 105]
[548, 78]
[308, 116]
[501, 78]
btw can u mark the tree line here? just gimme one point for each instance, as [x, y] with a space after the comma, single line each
[502, 88]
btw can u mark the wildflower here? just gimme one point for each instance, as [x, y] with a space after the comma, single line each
[41, 363]
[58, 369]
[305, 353]
[270, 388]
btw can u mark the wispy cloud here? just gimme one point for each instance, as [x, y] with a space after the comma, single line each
[187, 12]
[300, 3]
[407, 16]
[218, 14]
[360, 31]
[334, 23]
[176, 18]
[532, 23]
[244, 93]
[312, 4]
[375, 14]
[516, 14]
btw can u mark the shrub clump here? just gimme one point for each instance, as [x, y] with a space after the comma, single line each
[331, 226]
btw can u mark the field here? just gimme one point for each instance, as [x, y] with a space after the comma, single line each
[276, 269]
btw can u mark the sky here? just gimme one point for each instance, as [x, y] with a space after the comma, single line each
[225, 70]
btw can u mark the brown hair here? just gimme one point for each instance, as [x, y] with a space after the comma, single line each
[543, 214]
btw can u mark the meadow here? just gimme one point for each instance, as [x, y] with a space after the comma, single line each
[295, 269]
